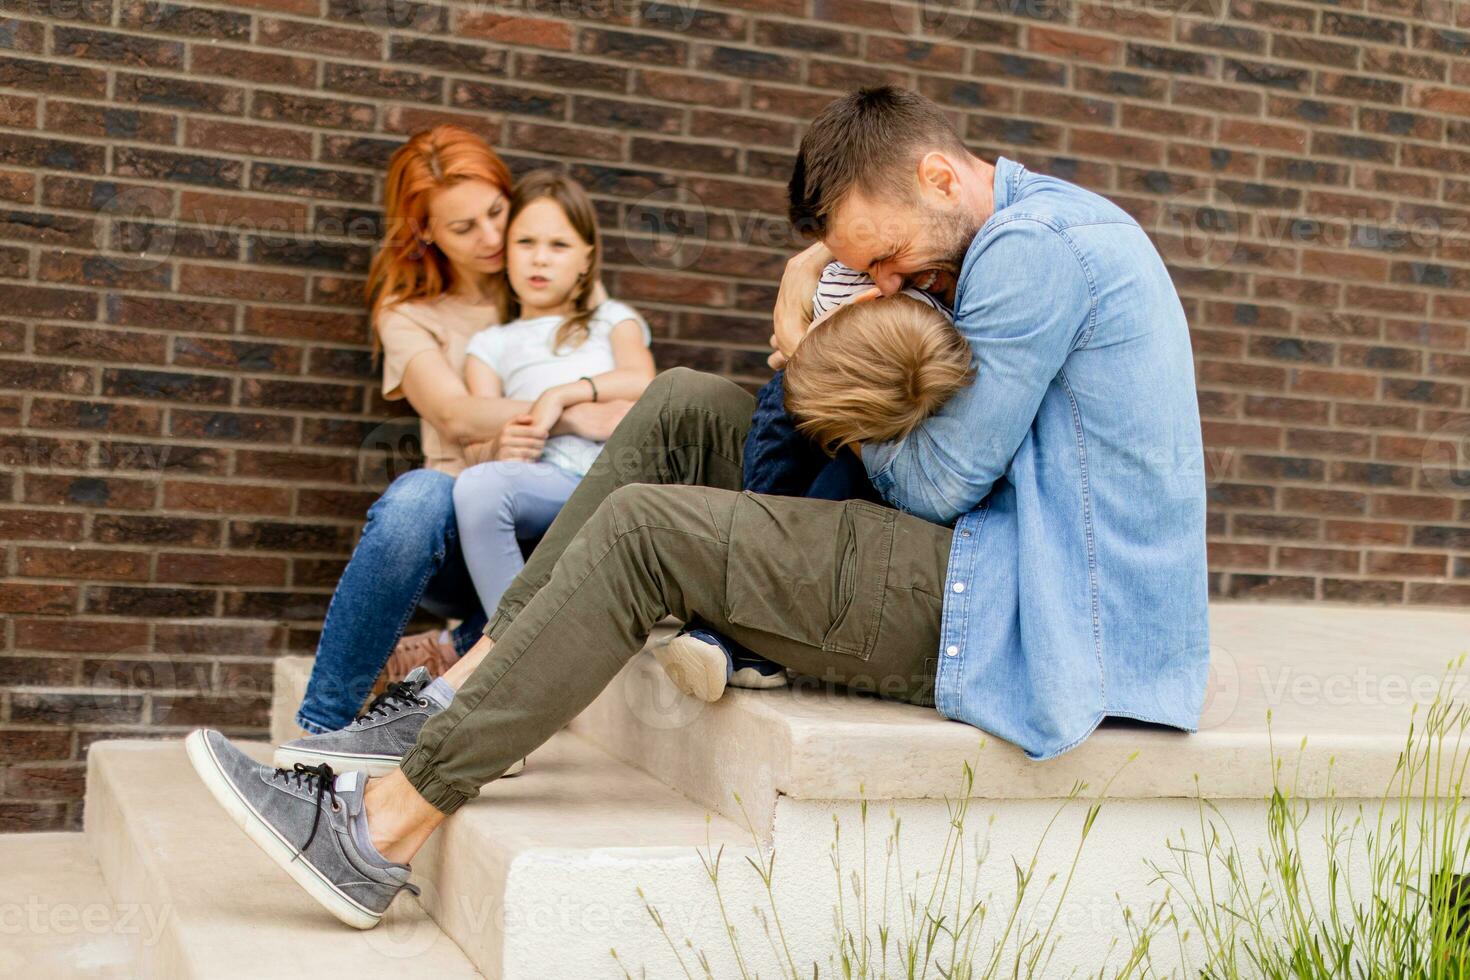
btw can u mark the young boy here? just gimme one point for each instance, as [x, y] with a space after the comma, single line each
[868, 370]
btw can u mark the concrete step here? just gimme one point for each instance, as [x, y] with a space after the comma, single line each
[540, 875]
[223, 908]
[806, 760]
[1344, 677]
[537, 877]
[57, 919]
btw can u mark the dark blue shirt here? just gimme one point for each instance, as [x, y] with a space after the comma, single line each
[780, 460]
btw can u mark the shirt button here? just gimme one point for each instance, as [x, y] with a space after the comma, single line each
[951, 651]
[965, 534]
[959, 586]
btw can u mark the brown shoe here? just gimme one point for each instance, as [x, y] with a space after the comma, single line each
[424, 649]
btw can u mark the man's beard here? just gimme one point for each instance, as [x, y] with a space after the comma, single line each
[953, 232]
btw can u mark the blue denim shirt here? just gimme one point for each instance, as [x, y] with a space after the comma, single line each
[1072, 471]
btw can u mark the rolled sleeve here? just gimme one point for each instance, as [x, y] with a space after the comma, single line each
[1024, 301]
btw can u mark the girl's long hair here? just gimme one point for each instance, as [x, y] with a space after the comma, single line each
[572, 198]
[433, 159]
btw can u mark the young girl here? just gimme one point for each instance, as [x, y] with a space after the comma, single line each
[561, 349]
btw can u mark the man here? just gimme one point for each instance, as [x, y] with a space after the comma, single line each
[1045, 566]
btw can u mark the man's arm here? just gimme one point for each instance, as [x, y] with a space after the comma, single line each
[1022, 305]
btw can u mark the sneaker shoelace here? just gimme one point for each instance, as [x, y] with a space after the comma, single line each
[319, 778]
[399, 696]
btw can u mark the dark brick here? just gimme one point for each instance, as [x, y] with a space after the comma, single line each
[153, 529]
[170, 18]
[383, 83]
[507, 99]
[745, 63]
[464, 59]
[179, 94]
[121, 49]
[309, 110]
[231, 426]
[1270, 75]
[649, 49]
[165, 385]
[115, 600]
[309, 182]
[34, 151]
[51, 78]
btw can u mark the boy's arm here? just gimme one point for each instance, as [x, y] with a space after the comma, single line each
[1024, 301]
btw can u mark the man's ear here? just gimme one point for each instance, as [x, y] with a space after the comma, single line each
[939, 176]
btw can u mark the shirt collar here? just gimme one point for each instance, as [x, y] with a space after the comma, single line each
[1007, 175]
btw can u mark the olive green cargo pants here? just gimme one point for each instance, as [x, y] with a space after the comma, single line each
[844, 591]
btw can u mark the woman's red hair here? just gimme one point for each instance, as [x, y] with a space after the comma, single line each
[431, 160]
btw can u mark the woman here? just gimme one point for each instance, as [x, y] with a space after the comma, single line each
[437, 278]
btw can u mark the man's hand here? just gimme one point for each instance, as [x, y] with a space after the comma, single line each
[520, 438]
[777, 360]
[793, 311]
[595, 420]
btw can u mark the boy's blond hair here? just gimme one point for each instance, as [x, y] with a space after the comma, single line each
[873, 370]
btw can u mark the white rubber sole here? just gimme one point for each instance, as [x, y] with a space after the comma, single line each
[697, 668]
[753, 680]
[286, 758]
[373, 766]
[282, 852]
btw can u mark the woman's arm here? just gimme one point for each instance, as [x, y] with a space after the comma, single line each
[441, 398]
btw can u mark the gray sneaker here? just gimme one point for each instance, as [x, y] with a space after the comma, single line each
[381, 736]
[308, 820]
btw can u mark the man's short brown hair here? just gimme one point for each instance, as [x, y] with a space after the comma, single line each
[868, 140]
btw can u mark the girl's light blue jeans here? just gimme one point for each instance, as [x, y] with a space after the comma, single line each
[499, 504]
[410, 555]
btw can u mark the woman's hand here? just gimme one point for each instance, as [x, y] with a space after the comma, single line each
[521, 439]
[793, 311]
[595, 420]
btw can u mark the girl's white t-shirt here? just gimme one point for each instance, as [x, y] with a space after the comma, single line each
[520, 353]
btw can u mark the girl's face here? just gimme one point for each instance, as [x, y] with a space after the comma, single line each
[546, 256]
[467, 223]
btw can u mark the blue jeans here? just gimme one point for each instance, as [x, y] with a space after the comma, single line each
[409, 556]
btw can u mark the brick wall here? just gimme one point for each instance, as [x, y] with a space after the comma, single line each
[188, 199]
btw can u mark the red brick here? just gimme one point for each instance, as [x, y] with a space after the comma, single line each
[519, 31]
[1413, 508]
[1317, 560]
[78, 636]
[1366, 532]
[1073, 46]
[85, 564]
[200, 569]
[1407, 563]
[47, 600]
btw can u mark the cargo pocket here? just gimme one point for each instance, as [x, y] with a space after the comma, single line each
[813, 571]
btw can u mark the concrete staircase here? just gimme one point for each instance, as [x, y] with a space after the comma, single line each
[544, 875]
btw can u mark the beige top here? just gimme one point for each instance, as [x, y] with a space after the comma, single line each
[445, 324]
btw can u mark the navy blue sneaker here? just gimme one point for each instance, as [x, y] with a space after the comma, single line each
[701, 663]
